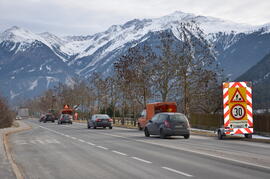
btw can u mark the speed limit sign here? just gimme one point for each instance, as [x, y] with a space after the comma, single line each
[238, 111]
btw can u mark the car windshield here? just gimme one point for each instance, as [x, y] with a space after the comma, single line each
[178, 118]
[102, 116]
[66, 116]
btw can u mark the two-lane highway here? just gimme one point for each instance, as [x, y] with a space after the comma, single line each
[73, 151]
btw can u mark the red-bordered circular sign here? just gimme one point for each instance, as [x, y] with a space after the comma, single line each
[238, 111]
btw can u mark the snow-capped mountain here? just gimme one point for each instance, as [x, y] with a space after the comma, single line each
[31, 55]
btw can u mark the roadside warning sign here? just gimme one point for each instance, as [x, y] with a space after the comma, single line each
[66, 106]
[237, 101]
[237, 97]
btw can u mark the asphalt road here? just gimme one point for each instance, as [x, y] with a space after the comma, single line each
[73, 151]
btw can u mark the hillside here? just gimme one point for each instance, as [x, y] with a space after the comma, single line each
[260, 77]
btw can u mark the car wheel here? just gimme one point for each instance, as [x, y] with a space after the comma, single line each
[162, 134]
[146, 132]
[220, 136]
[70, 122]
[88, 127]
[186, 136]
[44, 121]
[94, 127]
[110, 127]
[139, 127]
[53, 121]
[104, 127]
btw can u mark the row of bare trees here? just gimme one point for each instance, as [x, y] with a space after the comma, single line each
[184, 72]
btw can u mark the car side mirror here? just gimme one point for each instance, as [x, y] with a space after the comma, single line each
[150, 121]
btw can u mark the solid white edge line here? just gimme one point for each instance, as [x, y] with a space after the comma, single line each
[177, 171]
[142, 160]
[120, 153]
[102, 147]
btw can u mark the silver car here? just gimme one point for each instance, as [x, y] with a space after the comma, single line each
[65, 118]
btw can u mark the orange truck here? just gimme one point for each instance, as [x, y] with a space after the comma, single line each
[154, 108]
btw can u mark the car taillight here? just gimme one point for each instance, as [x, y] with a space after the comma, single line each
[110, 120]
[167, 124]
[98, 120]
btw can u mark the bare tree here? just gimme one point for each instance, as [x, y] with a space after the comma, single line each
[135, 73]
[195, 62]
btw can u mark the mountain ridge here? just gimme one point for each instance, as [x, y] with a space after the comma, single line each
[83, 55]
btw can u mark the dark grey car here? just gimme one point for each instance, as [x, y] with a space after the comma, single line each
[99, 120]
[168, 124]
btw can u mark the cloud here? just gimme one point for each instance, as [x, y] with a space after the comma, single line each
[90, 16]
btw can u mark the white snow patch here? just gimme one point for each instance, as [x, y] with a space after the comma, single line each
[70, 82]
[13, 94]
[51, 80]
[266, 76]
[32, 70]
[13, 47]
[33, 85]
[48, 68]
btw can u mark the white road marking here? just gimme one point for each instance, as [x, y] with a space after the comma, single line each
[120, 153]
[52, 141]
[74, 138]
[113, 135]
[81, 140]
[176, 171]
[142, 160]
[36, 141]
[90, 143]
[20, 142]
[102, 147]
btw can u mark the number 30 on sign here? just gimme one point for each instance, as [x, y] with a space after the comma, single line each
[238, 111]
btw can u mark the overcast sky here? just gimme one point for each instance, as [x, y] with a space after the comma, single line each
[77, 17]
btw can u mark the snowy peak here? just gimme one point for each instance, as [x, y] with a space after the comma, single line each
[207, 23]
[17, 34]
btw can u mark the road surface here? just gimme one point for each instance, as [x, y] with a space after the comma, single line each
[73, 151]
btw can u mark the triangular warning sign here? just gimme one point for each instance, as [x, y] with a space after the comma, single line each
[237, 97]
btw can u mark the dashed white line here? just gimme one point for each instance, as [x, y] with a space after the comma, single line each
[120, 153]
[102, 147]
[90, 143]
[81, 140]
[73, 138]
[142, 160]
[177, 171]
